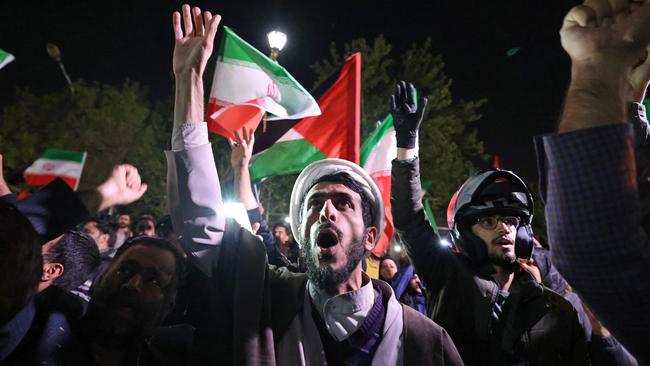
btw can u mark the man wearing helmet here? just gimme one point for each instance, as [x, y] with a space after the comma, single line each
[263, 315]
[494, 309]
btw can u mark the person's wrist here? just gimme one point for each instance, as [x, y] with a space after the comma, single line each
[188, 74]
[611, 75]
[189, 97]
[405, 154]
[105, 192]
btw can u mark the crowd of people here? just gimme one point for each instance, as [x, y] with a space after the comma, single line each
[83, 287]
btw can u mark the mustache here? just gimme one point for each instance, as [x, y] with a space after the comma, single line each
[497, 239]
[327, 226]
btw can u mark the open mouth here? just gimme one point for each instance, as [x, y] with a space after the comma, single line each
[327, 238]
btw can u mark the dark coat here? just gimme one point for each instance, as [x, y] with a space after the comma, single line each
[256, 308]
[544, 327]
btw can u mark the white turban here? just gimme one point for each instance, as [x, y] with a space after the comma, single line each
[321, 168]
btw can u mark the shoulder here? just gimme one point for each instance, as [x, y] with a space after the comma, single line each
[426, 340]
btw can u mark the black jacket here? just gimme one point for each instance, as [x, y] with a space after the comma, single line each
[543, 328]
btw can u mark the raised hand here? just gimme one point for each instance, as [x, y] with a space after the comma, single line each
[607, 31]
[194, 42]
[242, 148]
[122, 187]
[407, 114]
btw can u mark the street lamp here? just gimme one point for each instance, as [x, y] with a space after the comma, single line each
[277, 40]
[55, 54]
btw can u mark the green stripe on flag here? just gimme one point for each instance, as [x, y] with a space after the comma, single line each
[372, 140]
[432, 219]
[5, 58]
[57, 154]
[285, 157]
[233, 47]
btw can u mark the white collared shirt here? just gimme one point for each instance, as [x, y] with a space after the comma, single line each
[343, 314]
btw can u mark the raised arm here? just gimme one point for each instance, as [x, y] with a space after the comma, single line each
[240, 157]
[194, 193]
[422, 244]
[242, 150]
[592, 208]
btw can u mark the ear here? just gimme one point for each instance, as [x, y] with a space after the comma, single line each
[370, 238]
[52, 271]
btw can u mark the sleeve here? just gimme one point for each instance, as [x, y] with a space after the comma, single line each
[275, 257]
[194, 195]
[606, 351]
[53, 210]
[593, 218]
[431, 260]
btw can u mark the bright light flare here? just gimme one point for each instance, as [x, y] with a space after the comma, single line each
[277, 40]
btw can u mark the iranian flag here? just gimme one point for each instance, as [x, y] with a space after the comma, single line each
[55, 163]
[247, 84]
[377, 152]
[5, 58]
[288, 146]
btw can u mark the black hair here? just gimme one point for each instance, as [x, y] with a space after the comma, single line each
[78, 254]
[282, 224]
[163, 244]
[346, 180]
[385, 258]
[164, 228]
[144, 217]
[20, 260]
[105, 226]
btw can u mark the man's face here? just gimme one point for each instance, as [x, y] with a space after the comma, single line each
[124, 221]
[280, 234]
[334, 236]
[134, 294]
[100, 238]
[387, 269]
[414, 284]
[145, 228]
[500, 241]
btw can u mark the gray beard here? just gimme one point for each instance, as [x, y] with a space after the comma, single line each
[323, 276]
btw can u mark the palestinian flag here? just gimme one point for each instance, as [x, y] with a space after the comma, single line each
[55, 163]
[377, 153]
[5, 58]
[288, 146]
[247, 84]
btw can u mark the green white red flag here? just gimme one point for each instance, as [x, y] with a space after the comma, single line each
[5, 58]
[247, 84]
[55, 163]
[377, 153]
[288, 146]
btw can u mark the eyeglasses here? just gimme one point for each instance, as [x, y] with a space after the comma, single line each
[144, 227]
[490, 222]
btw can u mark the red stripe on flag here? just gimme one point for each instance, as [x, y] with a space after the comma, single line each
[23, 194]
[233, 118]
[44, 179]
[384, 185]
[336, 131]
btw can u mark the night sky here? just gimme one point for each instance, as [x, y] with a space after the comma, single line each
[111, 41]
